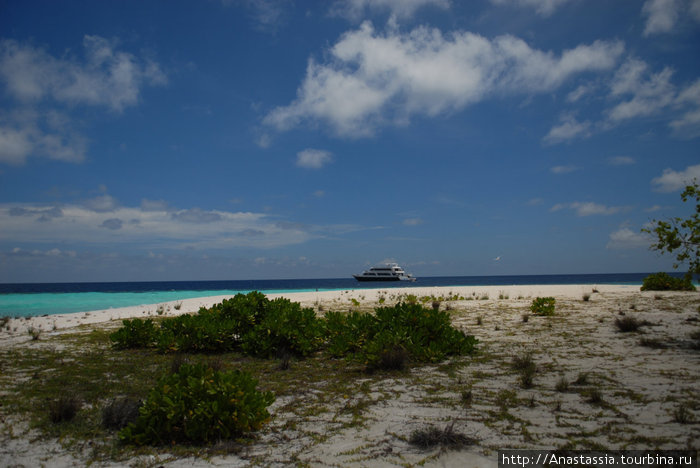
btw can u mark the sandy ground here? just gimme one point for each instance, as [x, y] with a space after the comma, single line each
[630, 400]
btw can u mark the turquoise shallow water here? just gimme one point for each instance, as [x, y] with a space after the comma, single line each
[35, 304]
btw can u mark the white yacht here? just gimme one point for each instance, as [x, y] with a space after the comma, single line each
[386, 272]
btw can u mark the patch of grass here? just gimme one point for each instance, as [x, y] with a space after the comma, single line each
[627, 324]
[582, 378]
[682, 414]
[653, 343]
[63, 409]
[431, 437]
[526, 367]
[119, 412]
[562, 384]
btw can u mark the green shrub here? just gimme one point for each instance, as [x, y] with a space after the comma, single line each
[348, 333]
[426, 334]
[666, 282]
[199, 405]
[284, 328]
[543, 306]
[135, 333]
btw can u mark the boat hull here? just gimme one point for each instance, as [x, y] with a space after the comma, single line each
[380, 279]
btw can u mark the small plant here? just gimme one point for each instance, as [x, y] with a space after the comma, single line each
[543, 306]
[35, 333]
[526, 318]
[526, 367]
[395, 358]
[433, 437]
[666, 282]
[586, 297]
[467, 397]
[479, 320]
[562, 384]
[120, 412]
[653, 343]
[581, 379]
[627, 324]
[682, 414]
[63, 409]
[594, 396]
[436, 305]
[177, 306]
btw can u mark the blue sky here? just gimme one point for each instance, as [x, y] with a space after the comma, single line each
[183, 140]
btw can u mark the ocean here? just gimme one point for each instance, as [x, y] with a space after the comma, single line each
[36, 299]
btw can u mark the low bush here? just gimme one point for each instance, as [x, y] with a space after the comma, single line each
[432, 436]
[63, 409]
[666, 282]
[199, 405]
[543, 306]
[120, 412]
[135, 333]
[627, 324]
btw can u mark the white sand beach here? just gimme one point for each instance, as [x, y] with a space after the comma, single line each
[635, 383]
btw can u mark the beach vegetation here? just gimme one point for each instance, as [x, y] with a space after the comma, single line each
[199, 405]
[665, 282]
[432, 436]
[543, 306]
[395, 334]
[526, 368]
[119, 412]
[681, 236]
[562, 384]
[627, 324]
[63, 408]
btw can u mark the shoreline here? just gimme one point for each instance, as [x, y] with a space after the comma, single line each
[341, 299]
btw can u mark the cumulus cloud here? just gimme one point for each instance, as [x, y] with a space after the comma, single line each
[688, 124]
[105, 77]
[661, 15]
[542, 7]
[671, 181]
[625, 238]
[568, 129]
[588, 208]
[373, 79]
[650, 92]
[48, 134]
[356, 9]
[40, 84]
[313, 158]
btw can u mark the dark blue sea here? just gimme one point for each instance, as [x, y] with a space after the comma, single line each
[36, 299]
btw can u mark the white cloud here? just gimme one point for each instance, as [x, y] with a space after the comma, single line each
[49, 134]
[563, 169]
[688, 125]
[588, 208]
[671, 181]
[650, 92]
[40, 83]
[621, 161]
[625, 238]
[313, 158]
[373, 79]
[568, 129]
[356, 9]
[542, 7]
[412, 221]
[661, 15]
[106, 76]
